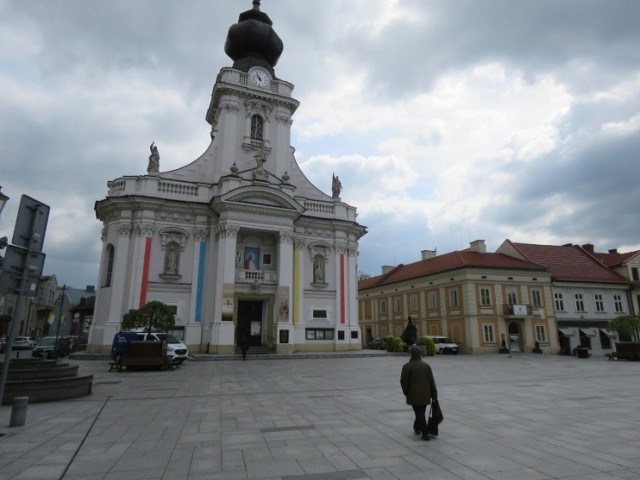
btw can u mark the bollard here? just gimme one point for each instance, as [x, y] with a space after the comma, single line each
[19, 411]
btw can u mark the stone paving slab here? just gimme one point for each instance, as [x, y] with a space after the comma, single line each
[342, 417]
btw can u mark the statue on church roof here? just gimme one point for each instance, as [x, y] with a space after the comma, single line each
[154, 160]
[336, 186]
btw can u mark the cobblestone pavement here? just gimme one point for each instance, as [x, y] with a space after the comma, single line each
[519, 417]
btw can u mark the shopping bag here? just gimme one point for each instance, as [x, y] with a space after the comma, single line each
[435, 418]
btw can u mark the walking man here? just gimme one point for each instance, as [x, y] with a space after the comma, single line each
[419, 387]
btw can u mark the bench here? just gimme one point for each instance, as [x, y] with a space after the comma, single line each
[626, 351]
[144, 354]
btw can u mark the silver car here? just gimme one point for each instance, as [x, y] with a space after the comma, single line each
[22, 343]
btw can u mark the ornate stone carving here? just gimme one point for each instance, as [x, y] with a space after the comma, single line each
[258, 106]
[179, 237]
[124, 230]
[228, 231]
[299, 243]
[286, 236]
[201, 234]
[230, 107]
[284, 119]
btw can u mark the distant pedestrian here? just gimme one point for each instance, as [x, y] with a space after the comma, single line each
[243, 342]
[419, 387]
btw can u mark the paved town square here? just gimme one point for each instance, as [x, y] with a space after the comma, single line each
[338, 417]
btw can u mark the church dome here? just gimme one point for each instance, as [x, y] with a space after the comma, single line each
[252, 41]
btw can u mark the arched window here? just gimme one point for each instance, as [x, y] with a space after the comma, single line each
[256, 127]
[109, 272]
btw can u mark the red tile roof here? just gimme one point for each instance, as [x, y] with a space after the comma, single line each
[448, 262]
[569, 263]
[615, 259]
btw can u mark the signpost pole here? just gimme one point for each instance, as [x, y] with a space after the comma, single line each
[29, 232]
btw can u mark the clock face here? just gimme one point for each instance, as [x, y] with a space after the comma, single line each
[259, 77]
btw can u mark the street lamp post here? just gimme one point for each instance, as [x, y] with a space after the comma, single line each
[64, 289]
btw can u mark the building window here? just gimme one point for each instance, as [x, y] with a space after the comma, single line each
[579, 302]
[413, 302]
[559, 302]
[319, 333]
[433, 301]
[512, 296]
[453, 298]
[634, 274]
[485, 297]
[319, 314]
[383, 307]
[599, 303]
[488, 333]
[541, 334]
[109, 273]
[397, 305]
[605, 340]
[256, 127]
[617, 303]
[536, 298]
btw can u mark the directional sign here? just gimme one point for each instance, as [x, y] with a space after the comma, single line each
[19, 262]
[31, 224]
[11, 283]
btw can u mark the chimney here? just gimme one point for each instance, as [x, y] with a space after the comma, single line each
[588, 247]
[477, 246]
[387, 268]
[613, 250]
[427, 254]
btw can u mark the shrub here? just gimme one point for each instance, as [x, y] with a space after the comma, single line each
[429, 344]
[393, 344]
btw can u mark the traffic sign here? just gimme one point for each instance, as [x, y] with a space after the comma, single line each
[19, 262]
[31, 224]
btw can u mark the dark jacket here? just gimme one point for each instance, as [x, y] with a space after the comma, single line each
[418, 383]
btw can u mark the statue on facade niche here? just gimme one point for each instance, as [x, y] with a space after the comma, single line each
[154, 159]
[318, 269]
[336, 186]
[171, 264]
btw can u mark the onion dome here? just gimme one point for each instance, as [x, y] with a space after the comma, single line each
[253, 42]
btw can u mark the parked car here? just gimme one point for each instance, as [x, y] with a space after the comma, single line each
[376, 344]
[176, 350]
[444, 345]
[46, 348]
[22, 343]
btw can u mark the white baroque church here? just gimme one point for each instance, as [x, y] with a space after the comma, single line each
[238, 242]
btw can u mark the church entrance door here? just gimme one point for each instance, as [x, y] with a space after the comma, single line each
[250, 321]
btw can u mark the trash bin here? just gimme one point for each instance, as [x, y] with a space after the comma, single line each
[583, 352]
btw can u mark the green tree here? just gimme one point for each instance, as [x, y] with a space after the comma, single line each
[627, 325]
[154, 316]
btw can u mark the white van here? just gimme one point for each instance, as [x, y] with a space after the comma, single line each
[444, 345]
[176, 350]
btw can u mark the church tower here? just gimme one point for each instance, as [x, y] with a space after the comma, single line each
[239, 241]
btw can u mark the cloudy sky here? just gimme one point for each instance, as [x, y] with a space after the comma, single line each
[447, 120]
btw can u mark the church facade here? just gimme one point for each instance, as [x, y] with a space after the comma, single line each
[238, 242]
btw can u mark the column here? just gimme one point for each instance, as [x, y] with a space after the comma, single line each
[223, 309]
[298, 280]
[284, 296]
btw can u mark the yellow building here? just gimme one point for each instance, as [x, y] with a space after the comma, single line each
[475, 298]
